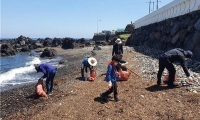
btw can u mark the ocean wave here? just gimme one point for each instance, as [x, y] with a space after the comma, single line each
[11, 74]
[36, 60]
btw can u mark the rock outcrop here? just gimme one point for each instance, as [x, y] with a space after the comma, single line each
[25, 44]
[48, 52]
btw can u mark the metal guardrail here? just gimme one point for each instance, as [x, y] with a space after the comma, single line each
[171, 10]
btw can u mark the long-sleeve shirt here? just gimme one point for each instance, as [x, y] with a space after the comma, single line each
[177, 55]
[117, 49]
[85, 63]
[111, 75]
[46, 69]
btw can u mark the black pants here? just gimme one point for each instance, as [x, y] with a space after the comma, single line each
[86, 69]
[165, 63]
[109, 91]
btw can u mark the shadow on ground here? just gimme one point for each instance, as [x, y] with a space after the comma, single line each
[33, 96]
[155, 88]
[80, 78]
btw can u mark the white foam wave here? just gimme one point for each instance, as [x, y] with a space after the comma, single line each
[12, 73]
[34, 61]
[9, 75]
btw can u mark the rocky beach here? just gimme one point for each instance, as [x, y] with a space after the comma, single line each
[140, 98]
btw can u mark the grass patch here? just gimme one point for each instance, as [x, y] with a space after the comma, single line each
[124, 36]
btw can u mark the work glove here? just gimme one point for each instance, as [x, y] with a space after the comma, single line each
[122, 64]
[109, 84]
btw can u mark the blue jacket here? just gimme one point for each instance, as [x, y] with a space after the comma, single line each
[85, 62]
[110, 75]
[46, 69]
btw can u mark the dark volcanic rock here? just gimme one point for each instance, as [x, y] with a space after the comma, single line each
[25, 49]
[130, 28]
[47, 42]
[68, 43]
[175, 28]
[197, 25]
[7, 50]
[57, 42]
[49, 53]
[38, 45]
[192, 41]
[182, 31]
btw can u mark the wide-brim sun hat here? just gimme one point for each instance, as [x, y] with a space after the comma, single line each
[118, 41]
[92, 61]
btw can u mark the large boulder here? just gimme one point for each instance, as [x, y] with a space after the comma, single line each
[175, 28]
[56, 42]
[69, 43]
[25, 49]
[7, 50]
[49, 53]
[38, 45]
[47, 42]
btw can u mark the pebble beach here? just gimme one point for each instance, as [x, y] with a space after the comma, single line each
[74, 98]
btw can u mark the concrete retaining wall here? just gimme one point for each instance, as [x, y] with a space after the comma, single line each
[171, 10]
[181, 31]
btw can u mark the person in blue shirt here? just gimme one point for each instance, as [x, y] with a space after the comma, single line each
[111, 78]
[87, 63]
[49, 73]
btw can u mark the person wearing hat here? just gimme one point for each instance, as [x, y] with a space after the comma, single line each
[49, 73]
[117, 47]
[166, 60]
[88, 63]
[111, 78]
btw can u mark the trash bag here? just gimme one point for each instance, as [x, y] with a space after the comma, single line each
[166, 78]
[39, 89]
[93, 75]
[123, 75]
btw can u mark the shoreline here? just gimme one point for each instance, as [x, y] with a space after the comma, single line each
[72, 61]
[73, 98]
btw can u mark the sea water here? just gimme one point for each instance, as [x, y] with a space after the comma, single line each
[19, 69]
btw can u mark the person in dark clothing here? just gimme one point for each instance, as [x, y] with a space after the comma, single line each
[166, 60]
[49, 73]
[111, 78]
[87, 63]
[117, 47]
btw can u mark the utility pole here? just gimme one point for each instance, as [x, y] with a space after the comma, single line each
[97, 26]
[157, 3]
[153, 6]
[149, 6]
